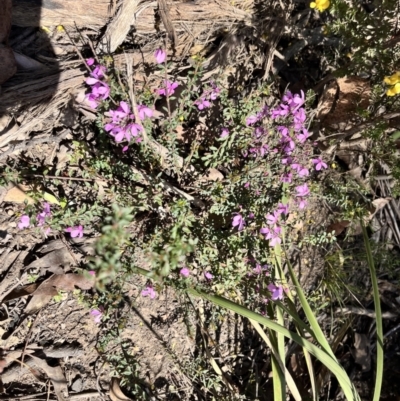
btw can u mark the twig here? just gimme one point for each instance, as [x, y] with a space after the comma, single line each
[32, 142]
[78, 51]
[28, 336]
[55, 177]
[129, 68]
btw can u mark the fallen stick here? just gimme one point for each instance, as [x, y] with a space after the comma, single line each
[60, 12]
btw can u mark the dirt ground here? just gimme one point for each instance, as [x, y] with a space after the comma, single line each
[170, 347]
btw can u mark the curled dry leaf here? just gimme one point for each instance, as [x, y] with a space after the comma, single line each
[361, 351]
[116, 393]
[64, 282]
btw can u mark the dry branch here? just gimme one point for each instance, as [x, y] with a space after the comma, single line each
[60, 12]
[194, 18]
[119, 27]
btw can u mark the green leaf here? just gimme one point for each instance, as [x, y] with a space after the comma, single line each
[50, 198]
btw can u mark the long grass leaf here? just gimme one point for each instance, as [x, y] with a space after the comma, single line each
[325, 358]
[289, 379]
[378, 314]
[319, 335]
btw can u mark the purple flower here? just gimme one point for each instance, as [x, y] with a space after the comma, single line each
[160, 56]
[302, 190]
[287, 178]
[276, 291]
[272, 218]
[304, 136]
[97, 315]
[294, 101]
[24, 222]
[169, 88]
[238, 222]
[90, 61]
[281, 111]
[100, 91]
[319, 164]
[214, 93]
[251, 120]
[202, 103]
[303, 172]
[259, 269]
[299, 118]
[144, 111]
[97, 75]
[208, 276]
[272, 234]
[224, 132]
[122, 112]
[287, 160]
[76, 231]
[185, 272]
[302, 203]
[283, 209]
[46, 209]
[149, 292]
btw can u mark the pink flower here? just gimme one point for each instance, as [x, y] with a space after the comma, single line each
[149, 292]
[144, 111]
[100, 91]
[283, 209]
[208, 276]
[24, 222]
[302, 204]
[97, 314]
[224, 132]
[303, 137]
[185, 272]
[287, 178]
[41, 217]
[272, 234]
[238, 222]
[215, 93]
[276, 291]
[319, 164]
[76, 231]
[202, 103]
[169, 88]
[92, 273]
[160, 56]
[302, 190]
[90, 61]
[272, 218]
[251, 120]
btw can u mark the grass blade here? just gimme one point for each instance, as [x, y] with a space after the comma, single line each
[289, 379]
[378, 313]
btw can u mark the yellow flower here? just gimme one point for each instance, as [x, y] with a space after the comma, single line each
[394, 82]
[320, 5]
[394, 90]
[393, 79]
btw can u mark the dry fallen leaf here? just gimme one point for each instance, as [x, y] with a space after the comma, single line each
[116, 393]
[58, 257]
[361, 352]
[64, 282]
[56, 375]
[338, 227]
[17, 194]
